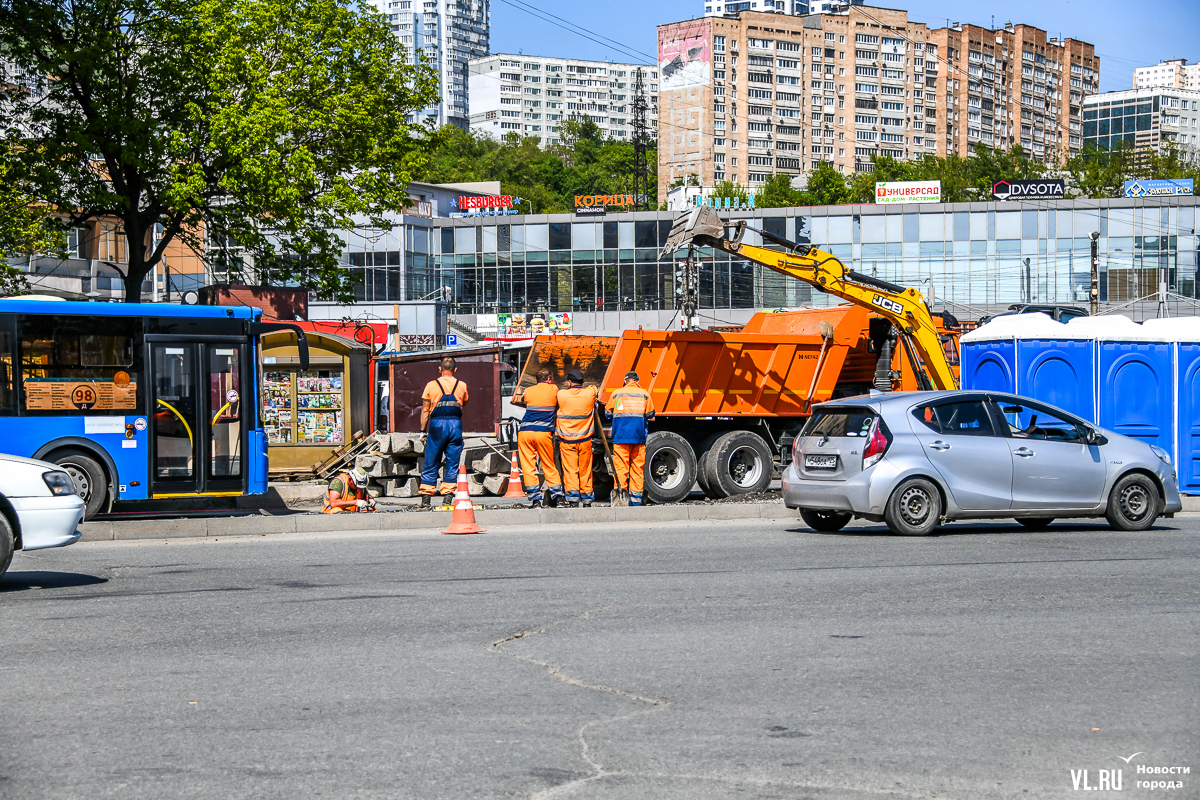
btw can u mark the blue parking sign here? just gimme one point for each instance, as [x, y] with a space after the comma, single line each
[451, 340]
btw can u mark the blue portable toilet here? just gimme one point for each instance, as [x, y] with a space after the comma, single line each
[1136, 380]
[1183, 334]
[1034, 356]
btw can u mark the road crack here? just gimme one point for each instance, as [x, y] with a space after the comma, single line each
[599, 771]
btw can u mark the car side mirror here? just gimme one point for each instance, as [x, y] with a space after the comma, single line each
[1088, 435]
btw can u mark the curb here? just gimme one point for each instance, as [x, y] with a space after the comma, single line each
[427, 521]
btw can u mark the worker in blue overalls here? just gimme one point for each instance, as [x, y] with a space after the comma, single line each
[441, 418]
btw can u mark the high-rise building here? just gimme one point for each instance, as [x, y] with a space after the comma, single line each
[450, 33]
[1142, 118]
[745, 97]
[755, 94]
[796, 8]
[533, 95]
[1174, 73]
[1014, 85]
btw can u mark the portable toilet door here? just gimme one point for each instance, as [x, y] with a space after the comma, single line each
[1136, 397]
[989, 365]
[1060, 372]
[1187, 459]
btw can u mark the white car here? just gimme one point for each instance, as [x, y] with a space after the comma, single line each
[38, 507]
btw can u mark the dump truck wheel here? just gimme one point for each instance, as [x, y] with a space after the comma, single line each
[739, 463]
[702, 466]
[670, 467]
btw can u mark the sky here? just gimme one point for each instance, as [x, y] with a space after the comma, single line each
[624, 30]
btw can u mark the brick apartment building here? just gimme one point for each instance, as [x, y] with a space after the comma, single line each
[1014, 85]
[750, 95]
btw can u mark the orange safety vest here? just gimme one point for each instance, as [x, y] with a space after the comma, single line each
[359, 493]
[576, 414]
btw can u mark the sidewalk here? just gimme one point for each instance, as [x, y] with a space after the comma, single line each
[425, 521]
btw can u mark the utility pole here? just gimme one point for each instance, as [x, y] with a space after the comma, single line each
[641, 191]
[1095, 293]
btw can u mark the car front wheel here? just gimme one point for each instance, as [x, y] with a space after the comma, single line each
[1133, 504]
[824, 521]
[7, 543]
[914, 509]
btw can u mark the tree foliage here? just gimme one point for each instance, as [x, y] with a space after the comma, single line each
[267, 124]
[27, 227]
[546, 179]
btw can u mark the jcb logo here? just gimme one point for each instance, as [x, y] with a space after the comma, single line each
[889, 305]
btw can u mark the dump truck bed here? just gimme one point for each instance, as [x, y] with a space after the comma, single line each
[765, 372]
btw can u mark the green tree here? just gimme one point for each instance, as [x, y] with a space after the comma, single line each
[777, 192]
[267, 123]
[731, 190]
[826, 186]
[27, 227]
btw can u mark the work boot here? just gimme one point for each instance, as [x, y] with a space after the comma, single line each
[535, 503]
[425, 500]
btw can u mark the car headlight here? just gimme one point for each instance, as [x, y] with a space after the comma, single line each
[59, 483]
[1162, 454]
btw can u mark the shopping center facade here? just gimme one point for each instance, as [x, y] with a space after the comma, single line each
[606, 270]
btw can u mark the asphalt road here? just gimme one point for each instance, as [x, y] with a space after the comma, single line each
[681, 660]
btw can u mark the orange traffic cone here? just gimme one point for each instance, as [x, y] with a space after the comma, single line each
[463, 519]
[515, 489]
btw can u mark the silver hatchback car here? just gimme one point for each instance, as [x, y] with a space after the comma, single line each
[917, 459]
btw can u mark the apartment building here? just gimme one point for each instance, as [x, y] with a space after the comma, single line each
[796, 8]
[745, 97]
[1143, 118]
[1014, 85]
[533, 95]
[1174, 73]
[450, 33]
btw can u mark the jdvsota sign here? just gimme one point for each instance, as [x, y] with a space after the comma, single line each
[908, 192]
[1029, 190]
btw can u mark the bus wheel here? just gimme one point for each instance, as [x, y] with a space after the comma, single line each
[88, 476]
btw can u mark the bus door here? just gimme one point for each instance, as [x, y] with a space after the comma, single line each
[198, 439]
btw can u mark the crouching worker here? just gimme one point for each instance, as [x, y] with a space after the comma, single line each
[535, 440]
[348, 492]
[630, 409]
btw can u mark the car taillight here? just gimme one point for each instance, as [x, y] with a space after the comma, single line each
[876, 447]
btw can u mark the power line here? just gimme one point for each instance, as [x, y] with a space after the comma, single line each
[583, 32]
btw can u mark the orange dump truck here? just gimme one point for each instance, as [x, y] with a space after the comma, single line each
[730, 402]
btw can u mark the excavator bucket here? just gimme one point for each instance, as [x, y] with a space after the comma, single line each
[700, 221]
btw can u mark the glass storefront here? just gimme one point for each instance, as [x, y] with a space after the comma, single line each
[978, 253]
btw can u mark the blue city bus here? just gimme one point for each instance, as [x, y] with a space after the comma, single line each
[137, 401]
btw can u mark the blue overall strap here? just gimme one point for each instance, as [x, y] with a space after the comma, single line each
[539, 418]
[448, 405]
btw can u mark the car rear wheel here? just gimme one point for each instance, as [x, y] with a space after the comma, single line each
[739, 463]
[670, 467]
[7, 544]
[1035, 523]
[824, 521]
[914, 509]
[1133, 504]
[91, 484]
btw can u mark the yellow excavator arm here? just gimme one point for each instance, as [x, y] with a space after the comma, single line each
[905, 308]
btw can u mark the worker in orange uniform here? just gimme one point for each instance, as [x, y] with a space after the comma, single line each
[630, 409]
[441, 418]
[535, 440]
[347, 493]
[576, 423]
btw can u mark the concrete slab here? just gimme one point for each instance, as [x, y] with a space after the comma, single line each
[162, 528]
[97, 532]
[315, 523]
[636, 514]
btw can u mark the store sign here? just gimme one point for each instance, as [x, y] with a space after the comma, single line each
[488, 205]
[594, 205]
[421, 208]
[1029, 190]
[1171, 187]
[890, 192]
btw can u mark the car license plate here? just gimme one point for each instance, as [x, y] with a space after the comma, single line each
[820, 462]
